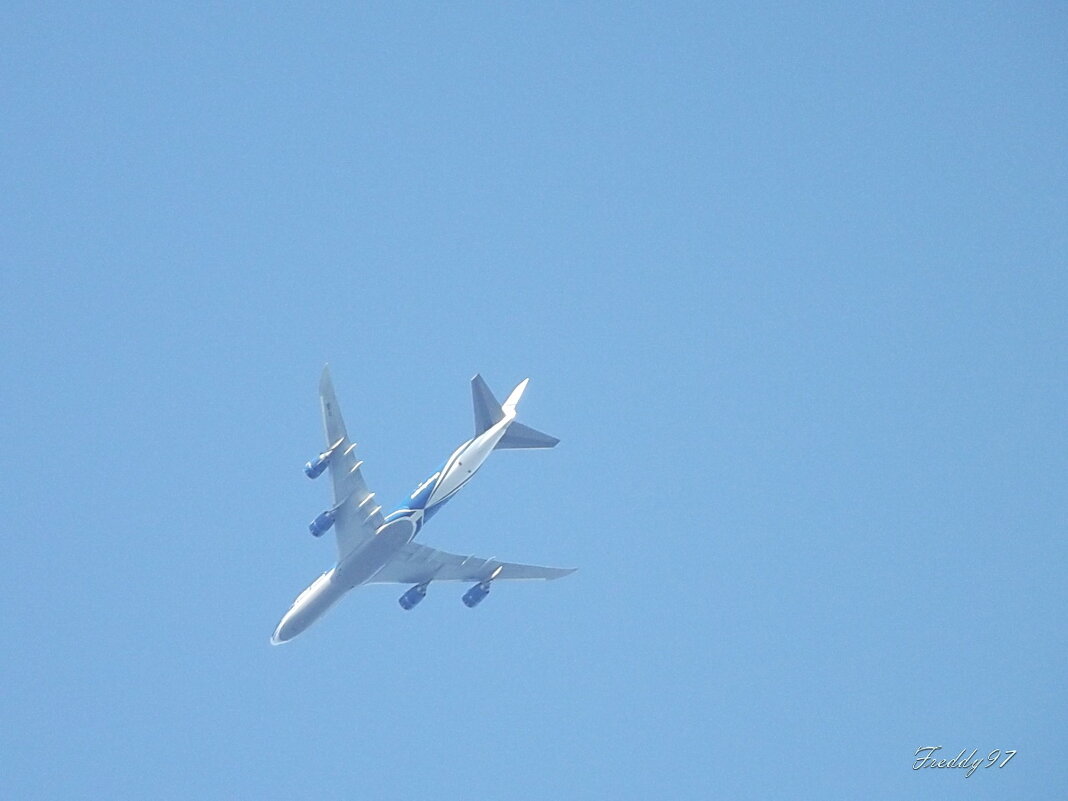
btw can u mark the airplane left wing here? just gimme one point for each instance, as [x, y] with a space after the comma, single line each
[357, 515]
[415, 564]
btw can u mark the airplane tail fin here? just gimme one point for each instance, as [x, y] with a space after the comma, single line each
[513, 399]
[488, 412]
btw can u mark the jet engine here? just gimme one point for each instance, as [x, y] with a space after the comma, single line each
[315, 468]
[413, 596]
[473, 597]
[323, 523]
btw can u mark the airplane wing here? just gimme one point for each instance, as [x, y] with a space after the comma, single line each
[358, 517]
[415, 564]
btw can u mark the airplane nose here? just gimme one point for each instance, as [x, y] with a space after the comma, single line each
[280, 634]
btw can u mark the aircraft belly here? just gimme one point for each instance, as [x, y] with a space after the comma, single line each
[364, 562]
[464, 466]
[317, 605]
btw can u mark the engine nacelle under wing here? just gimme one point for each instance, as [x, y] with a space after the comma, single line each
[474, 596]
[315, 468]
[323, 523]
[413, 596]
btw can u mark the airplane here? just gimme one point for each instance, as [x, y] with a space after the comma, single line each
[373, 548]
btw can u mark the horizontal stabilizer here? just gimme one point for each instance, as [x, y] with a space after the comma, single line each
[521, 436]
[487, 411]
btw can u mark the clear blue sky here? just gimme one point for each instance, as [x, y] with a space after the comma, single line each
[790, 284]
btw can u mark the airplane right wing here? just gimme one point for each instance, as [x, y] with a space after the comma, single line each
[415, 564]
[358, 517]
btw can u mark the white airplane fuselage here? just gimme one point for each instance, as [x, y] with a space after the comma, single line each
[400, 528]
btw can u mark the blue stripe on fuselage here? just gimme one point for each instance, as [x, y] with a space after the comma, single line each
[415, 506]
[418, 516]
[422, 493]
